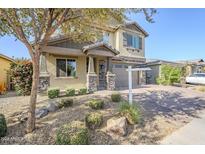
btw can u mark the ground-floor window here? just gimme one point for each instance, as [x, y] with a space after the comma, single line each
[65, 67]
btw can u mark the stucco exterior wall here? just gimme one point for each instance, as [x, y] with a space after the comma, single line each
[4, 66]
[64, 82]
[124, 51]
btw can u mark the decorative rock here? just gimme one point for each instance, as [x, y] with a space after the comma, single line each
[91, 82]
[40, 113]
[110, 77]
[52, 106]
[23, 117]
[44, 82]
[117, 126]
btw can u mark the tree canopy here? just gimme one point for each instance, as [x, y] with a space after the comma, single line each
[34, 27]
[37, 25]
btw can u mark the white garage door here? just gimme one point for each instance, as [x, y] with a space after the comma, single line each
[121, 80]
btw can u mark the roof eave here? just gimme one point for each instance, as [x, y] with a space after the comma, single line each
[100, 44]
[7, 58]
[136, 24]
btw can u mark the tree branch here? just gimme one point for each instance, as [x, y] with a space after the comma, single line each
[51, 29]
[34, 25]
[19, 31]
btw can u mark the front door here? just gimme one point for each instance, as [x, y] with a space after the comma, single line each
[102, 75]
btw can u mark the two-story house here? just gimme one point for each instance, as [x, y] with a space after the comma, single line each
[98, 65]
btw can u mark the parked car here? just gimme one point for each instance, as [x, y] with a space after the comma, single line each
[197, 78]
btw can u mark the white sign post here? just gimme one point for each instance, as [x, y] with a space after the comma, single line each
[130, 83]
[130, 79]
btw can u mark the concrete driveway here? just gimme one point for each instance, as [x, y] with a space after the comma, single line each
[176, 107]
[168, 100]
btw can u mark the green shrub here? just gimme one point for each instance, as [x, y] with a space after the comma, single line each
[53, 93]
[21, 75]
[93, 120]
[74, 133]
[65, 102]
[169, 75]
[70, 92]
[131, 112]
[116, 97]
[96, 104]
[82, 91]
[3, 126]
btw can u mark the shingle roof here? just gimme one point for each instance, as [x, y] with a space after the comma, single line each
[160, 61]
[100, 44]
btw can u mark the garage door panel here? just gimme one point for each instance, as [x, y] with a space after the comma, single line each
[122, 78]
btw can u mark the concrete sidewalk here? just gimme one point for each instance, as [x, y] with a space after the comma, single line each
[192, 133]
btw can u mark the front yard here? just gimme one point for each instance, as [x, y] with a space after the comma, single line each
[163, 109]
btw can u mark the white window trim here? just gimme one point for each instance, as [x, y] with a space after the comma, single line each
[66, 77]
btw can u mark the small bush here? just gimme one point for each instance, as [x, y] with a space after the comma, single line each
[3, 126]
[74, 133]
[202, 89]
[93, 120]
[96, 104]
[82, 91]
[70, 92]
[131, 112]
[116, 97]
[65, 102]
[53, 93]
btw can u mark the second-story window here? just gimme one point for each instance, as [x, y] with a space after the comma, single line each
[132, 41]
[106, 37]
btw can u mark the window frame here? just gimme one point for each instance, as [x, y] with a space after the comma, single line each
[133, 36]
[66, 59]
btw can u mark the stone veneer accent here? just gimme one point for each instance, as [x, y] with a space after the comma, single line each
[44, 83]
[92, 82]
[110, 81]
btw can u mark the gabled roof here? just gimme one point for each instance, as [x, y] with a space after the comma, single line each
[193, 61]
[138, 27]
[160, 61]
[7, 58]
[100, 44]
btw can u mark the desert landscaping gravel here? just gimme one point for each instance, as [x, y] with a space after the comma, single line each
[164, 109]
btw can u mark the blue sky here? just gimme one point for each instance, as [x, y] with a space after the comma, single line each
[177, 34]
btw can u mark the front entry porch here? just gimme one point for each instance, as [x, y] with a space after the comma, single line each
[99, 72]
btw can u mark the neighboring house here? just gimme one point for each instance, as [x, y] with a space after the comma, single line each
[4, 67]
[155, 65]
[194, 66]
[97, 65]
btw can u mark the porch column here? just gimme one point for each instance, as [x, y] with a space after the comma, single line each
[91, 65]
[109, 64]
[44, 78]
[110, 77]
[91, 76]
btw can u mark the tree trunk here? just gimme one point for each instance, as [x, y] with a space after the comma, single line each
[34, 90]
